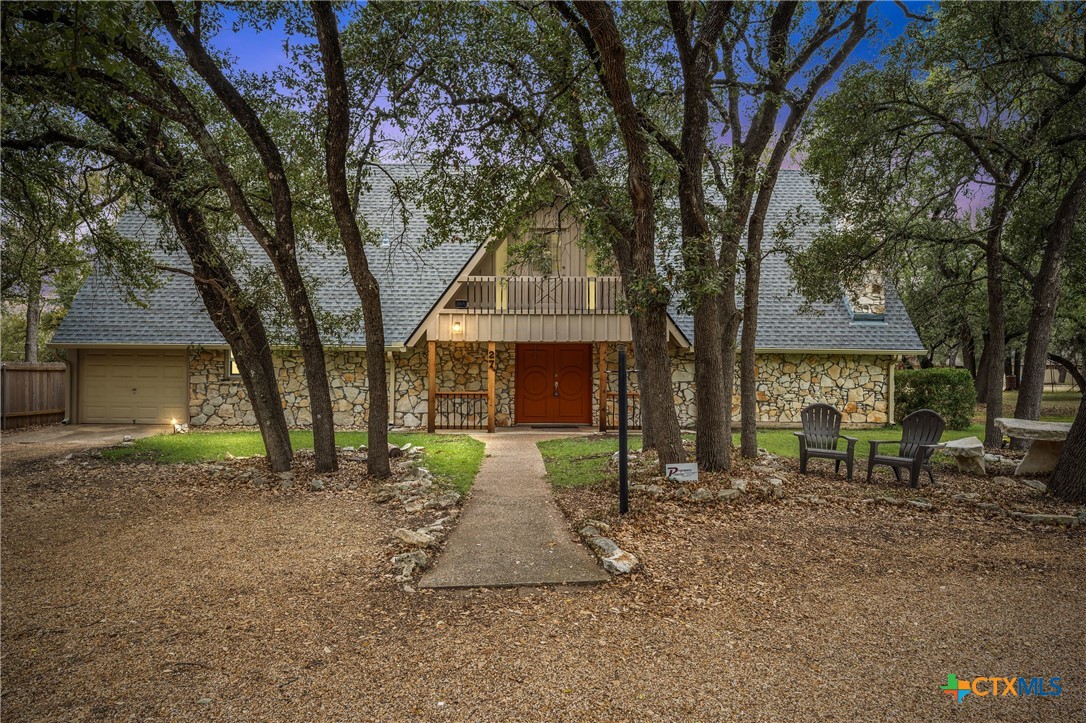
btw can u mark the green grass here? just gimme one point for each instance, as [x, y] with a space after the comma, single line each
[1055, 406]
[783, 442]
[454, 457]
[576, 462]
[581, 462]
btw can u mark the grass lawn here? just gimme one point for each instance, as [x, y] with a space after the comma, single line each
[1055, 406]
[783, 442]
[455, 457]
[577, 462]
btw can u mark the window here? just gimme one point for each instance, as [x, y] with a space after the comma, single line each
[231, 365]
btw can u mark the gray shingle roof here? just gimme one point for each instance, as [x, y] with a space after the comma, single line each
[413, 278]
[785, 319]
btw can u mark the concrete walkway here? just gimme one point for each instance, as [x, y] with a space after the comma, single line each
[511, 533]
[89, 435]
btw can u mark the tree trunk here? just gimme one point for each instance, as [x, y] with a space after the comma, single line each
[657, 393]
[711, 389]
[731, 319]
[980, 382]
[1068, 481]
[748, 371]
[365, 282]
[33, 318]
[316, 374]
[646, 292]
[281, 245]
[699, 256]
[240, 324]
[995, 348]
[1046, 296]
[969, 349]
[1068, 366]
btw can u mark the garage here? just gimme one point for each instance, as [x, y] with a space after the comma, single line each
[133, 387]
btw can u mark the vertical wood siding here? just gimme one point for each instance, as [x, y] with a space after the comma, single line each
[31, 394]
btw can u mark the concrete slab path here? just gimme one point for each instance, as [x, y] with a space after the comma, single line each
[89, 435]
[511, 532]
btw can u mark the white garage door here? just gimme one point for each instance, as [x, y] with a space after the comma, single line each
[133, 387]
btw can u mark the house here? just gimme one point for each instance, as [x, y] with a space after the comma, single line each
[473, 341]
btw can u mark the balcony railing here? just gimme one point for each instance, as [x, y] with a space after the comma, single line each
[541, 295]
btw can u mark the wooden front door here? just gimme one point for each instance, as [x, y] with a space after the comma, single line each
[554, 383]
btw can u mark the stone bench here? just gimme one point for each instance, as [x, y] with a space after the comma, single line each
[1044, 449]
[968, 453]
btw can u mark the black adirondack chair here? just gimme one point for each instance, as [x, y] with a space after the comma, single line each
[920, 433]
[821, 430]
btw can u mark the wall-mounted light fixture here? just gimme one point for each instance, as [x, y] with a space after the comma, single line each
[457, 327]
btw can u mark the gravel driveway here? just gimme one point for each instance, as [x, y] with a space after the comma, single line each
[133, 592]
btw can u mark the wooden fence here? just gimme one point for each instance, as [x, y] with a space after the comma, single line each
[31, 394]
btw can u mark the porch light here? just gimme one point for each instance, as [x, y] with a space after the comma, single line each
[457, 327]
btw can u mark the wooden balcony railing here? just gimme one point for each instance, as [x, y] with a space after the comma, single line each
[541, 295]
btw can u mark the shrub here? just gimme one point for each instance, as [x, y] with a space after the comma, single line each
[948, 391]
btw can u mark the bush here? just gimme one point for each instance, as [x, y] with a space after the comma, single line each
[946, 390]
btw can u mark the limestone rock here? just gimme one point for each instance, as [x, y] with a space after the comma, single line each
[394, 451]
[601, 526]
[1036, 484]
[605, 546]
[726, 495]
[740, 485]
[316, 485]
[408, 562]
[589, 531]
[702, 495]
[1031, 429]
[414, 538]
[920, 504]
[620, 563]
[442, 501]
[1064, 520]
[968, 453]
[419, 557]
[966, 496]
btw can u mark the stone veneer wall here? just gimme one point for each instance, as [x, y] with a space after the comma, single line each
[787, 383]
[855, 384]
[460, 366]
[216, 399]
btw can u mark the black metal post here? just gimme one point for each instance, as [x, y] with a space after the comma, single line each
[623, 477]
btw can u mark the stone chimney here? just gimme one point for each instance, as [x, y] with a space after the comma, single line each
[867, 301]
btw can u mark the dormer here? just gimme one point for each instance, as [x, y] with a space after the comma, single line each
[866, 302]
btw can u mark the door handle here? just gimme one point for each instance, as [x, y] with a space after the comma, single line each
[556, 387]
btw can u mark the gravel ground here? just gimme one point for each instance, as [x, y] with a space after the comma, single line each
[140, 592]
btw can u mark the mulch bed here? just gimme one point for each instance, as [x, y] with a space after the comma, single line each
[160, 592]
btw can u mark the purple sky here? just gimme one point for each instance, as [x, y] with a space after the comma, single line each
[261, 51]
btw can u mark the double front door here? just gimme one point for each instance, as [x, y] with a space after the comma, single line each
[554, 384]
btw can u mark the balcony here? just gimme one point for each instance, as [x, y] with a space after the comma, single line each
[539, 295]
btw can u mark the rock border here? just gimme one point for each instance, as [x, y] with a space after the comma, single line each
[614, 559]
